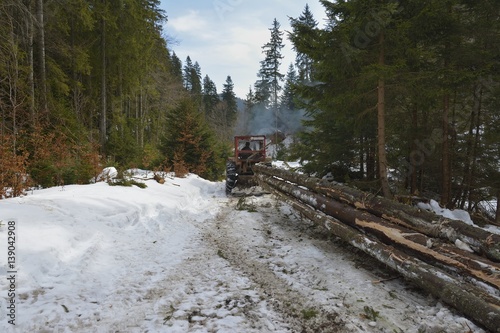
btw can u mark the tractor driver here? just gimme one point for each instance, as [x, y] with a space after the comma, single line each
[247, 154]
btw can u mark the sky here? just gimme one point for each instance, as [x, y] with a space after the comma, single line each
[226, 36]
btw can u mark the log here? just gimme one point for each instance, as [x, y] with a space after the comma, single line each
[428, 223]
[473, 302]
[159, 179]
[408, 240]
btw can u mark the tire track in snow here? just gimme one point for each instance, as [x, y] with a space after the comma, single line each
[292, 305]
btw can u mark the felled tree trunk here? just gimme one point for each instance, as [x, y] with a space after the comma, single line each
[413, 243]
[428, 223]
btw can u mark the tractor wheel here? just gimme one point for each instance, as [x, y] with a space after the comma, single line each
[231, 176]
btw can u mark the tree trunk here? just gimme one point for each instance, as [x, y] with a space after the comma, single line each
[42, 75]
[75, 90]
[465, 186]
[474, 302]
[412, 177]
[30, 28]
[471, 151]
[475, 149]
[370, 160]
[103, 116]
[141, 120]
[137, 106]
[144, 109]
[362, 156]
[445, 162]
[382, 157]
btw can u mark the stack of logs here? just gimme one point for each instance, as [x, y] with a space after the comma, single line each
[418, 244]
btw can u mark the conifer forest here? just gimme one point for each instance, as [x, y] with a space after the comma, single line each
[400, 98]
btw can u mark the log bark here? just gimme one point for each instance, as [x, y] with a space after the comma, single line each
[470, 300]
[481, 241]
[497, 215]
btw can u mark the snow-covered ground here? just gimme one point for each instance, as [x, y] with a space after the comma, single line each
[182, 257]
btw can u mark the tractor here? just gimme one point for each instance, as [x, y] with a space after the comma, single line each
[248, 151]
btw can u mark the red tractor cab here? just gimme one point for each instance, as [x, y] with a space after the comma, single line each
[248, 151]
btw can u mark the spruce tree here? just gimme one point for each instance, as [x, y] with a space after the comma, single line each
[210, 96]
[245, 118]
[196, 80]
[229, 98]
[189, 144]
[291, 114]
[348, 90]
[176, 66]
[288, 97]
[268, 87]
[429, 70]
[187, 74]
[304, 23]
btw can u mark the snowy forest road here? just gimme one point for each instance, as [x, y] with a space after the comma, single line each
[183, 257]
[291, 277]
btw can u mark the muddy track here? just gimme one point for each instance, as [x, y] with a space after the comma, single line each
[291, 304]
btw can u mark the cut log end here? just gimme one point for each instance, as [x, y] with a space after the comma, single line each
[159, 179]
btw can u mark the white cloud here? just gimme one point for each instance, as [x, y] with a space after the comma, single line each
[189, 23]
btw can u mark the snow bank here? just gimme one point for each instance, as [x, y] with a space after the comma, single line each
[286, 165]
[105, 175]
[86, 253]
